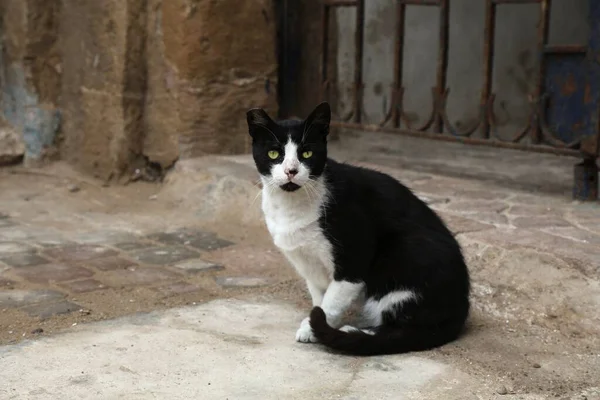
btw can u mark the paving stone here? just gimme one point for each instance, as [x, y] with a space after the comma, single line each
[18, 298]
[109, 263]
[6, 283]
[7, 223]
[461, 225]
[79, 252]
[3, 267]
[242, 282]
[589, 218]
[248, 260]
[539, 222]
[196, 238]
[27, 233]
[197, 265]
[592, 225]
[47, 310]
[35, 236]
[179, 288]
[138, 276]
[477, 206]
[586, 210]
[164, 255]
[52, 272]
[86, 285]
[480, 194]
[539, 198]
[130, 246]
[179, 237]
[489, 218]
[210, 243]
[436, 187]
[575, 234]
[528, 210]
[105, 237]
[14, 247]
[585, 256]
[54, 241]
[23, 259]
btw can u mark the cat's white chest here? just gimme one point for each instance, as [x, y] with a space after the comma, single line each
[293, 222]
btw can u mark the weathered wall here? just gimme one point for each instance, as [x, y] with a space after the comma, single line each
[515, 57]
[221, 61]
[102, 47]
[136, 80]
[30, 72]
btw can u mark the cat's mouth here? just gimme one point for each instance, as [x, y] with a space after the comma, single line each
[290, 187]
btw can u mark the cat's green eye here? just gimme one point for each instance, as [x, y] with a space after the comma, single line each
[307, 154]
[273, 154]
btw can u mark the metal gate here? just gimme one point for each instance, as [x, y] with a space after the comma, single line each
[564, 115]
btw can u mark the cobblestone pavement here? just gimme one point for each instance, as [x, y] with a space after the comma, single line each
[100, 261]
[72, 256]
[69, 257]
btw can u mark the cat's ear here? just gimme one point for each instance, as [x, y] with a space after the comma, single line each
[258, 121]
[319, 119]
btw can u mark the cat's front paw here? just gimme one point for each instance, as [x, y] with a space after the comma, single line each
[305, 334]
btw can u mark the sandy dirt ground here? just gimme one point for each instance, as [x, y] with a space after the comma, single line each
[534, 259]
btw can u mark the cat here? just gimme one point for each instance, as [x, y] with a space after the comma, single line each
[357, 236]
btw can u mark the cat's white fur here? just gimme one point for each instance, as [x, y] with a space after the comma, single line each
[292, 218]
[373, 309]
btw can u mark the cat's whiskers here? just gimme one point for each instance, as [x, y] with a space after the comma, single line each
[255, 197]
[256, 185]
[271, 186]
[307, 188]
[310, 187]
[268, 185]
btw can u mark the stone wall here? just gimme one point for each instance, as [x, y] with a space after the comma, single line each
[136, 81]
[30, 73]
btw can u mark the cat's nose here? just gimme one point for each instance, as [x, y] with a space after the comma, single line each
[291, 172]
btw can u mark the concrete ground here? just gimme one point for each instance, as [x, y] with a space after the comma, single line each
[174, 290]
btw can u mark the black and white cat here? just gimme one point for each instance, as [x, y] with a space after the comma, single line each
[355, 234]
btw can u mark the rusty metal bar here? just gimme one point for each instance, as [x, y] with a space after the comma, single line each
[440, 109]
[516, 1]
[449, 138]
[340, 3]
[543, 139]
[549, 134]
[324, 51]
[565, 49]
[421, 2]
[358, 60]
[488, 62]
[442, 64]
[493, 124]
[536, 134]
[398, 64]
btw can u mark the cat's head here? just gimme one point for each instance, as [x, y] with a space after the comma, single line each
[289, 153]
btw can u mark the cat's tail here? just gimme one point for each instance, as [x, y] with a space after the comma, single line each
[384, 340]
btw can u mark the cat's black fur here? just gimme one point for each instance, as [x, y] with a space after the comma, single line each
[385, 236]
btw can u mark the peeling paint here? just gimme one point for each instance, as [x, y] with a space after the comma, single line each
[574, 102]
[21, 107]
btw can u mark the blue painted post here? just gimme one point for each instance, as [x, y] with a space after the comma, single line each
[586, 172]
